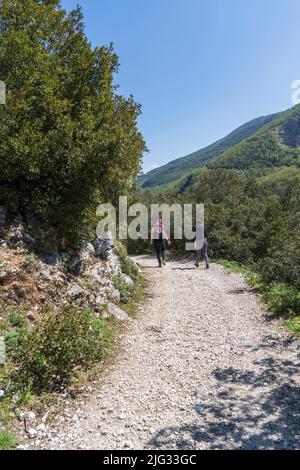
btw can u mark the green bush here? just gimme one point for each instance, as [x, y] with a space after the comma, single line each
[282, 299]
[293, 324]
[128, 267]
[48, 355]
[125, 290]
[7, 440]
[16, 319]
[283, 267]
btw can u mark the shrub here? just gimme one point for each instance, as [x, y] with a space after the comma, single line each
[7, 440]
[16, 319]
[125, 290]
[282, 299]
[293, 324]
[48, 355]
[280, 268]
[128, 267]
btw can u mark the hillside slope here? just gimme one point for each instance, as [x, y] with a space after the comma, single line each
[181, 166]
[275, 145]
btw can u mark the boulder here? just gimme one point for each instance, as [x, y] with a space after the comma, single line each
[113, 293]
[89, 249]
[51, 258]
[96, 278]
[76, 291]
[127, 279]
[113, 265]
[102, 248]
[78, 264]
[114, 311]
[103, 245]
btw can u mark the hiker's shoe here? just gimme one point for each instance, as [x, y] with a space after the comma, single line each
[197, 265]
[164, 263]
[207, 266]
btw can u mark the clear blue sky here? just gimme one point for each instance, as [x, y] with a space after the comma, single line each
[200, 68]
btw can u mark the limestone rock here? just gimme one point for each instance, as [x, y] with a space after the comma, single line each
[76, 291]
[127, 279]
[116, 312]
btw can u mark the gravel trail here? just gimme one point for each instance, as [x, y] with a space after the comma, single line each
[201, 367]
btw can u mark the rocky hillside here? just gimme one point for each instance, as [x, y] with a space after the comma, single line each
[29, 281]
[59, 316]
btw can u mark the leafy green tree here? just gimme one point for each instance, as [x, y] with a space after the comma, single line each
[68, 140]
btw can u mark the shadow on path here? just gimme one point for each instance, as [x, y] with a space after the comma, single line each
[247, 409]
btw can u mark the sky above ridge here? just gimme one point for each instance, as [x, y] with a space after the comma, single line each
[200, 68]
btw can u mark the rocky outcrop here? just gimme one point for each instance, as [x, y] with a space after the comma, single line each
[85, 278]
[288, 132]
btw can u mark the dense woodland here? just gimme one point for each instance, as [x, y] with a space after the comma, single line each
[251, 222]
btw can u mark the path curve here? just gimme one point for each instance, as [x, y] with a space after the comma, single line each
[199, 368]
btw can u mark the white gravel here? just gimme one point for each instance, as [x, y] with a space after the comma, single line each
[201, 367]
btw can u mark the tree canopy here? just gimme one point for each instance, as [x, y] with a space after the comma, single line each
[68, 140]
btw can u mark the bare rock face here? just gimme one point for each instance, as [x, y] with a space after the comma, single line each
[103, 246]
[113, 265]
[289, 132]
[80, 263]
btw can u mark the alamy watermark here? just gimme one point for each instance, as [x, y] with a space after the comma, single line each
[186, 221]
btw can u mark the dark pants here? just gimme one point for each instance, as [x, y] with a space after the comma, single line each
[202, 252]
[160, 250]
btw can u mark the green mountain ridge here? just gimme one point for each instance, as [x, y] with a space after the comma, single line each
[276, 144]
[184, 165]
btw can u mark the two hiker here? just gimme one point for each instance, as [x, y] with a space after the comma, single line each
[160, 241]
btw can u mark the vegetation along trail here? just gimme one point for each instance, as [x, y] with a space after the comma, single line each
[201, 367]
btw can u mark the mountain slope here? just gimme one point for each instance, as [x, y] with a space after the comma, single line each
[182, 166]
[275, 145]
